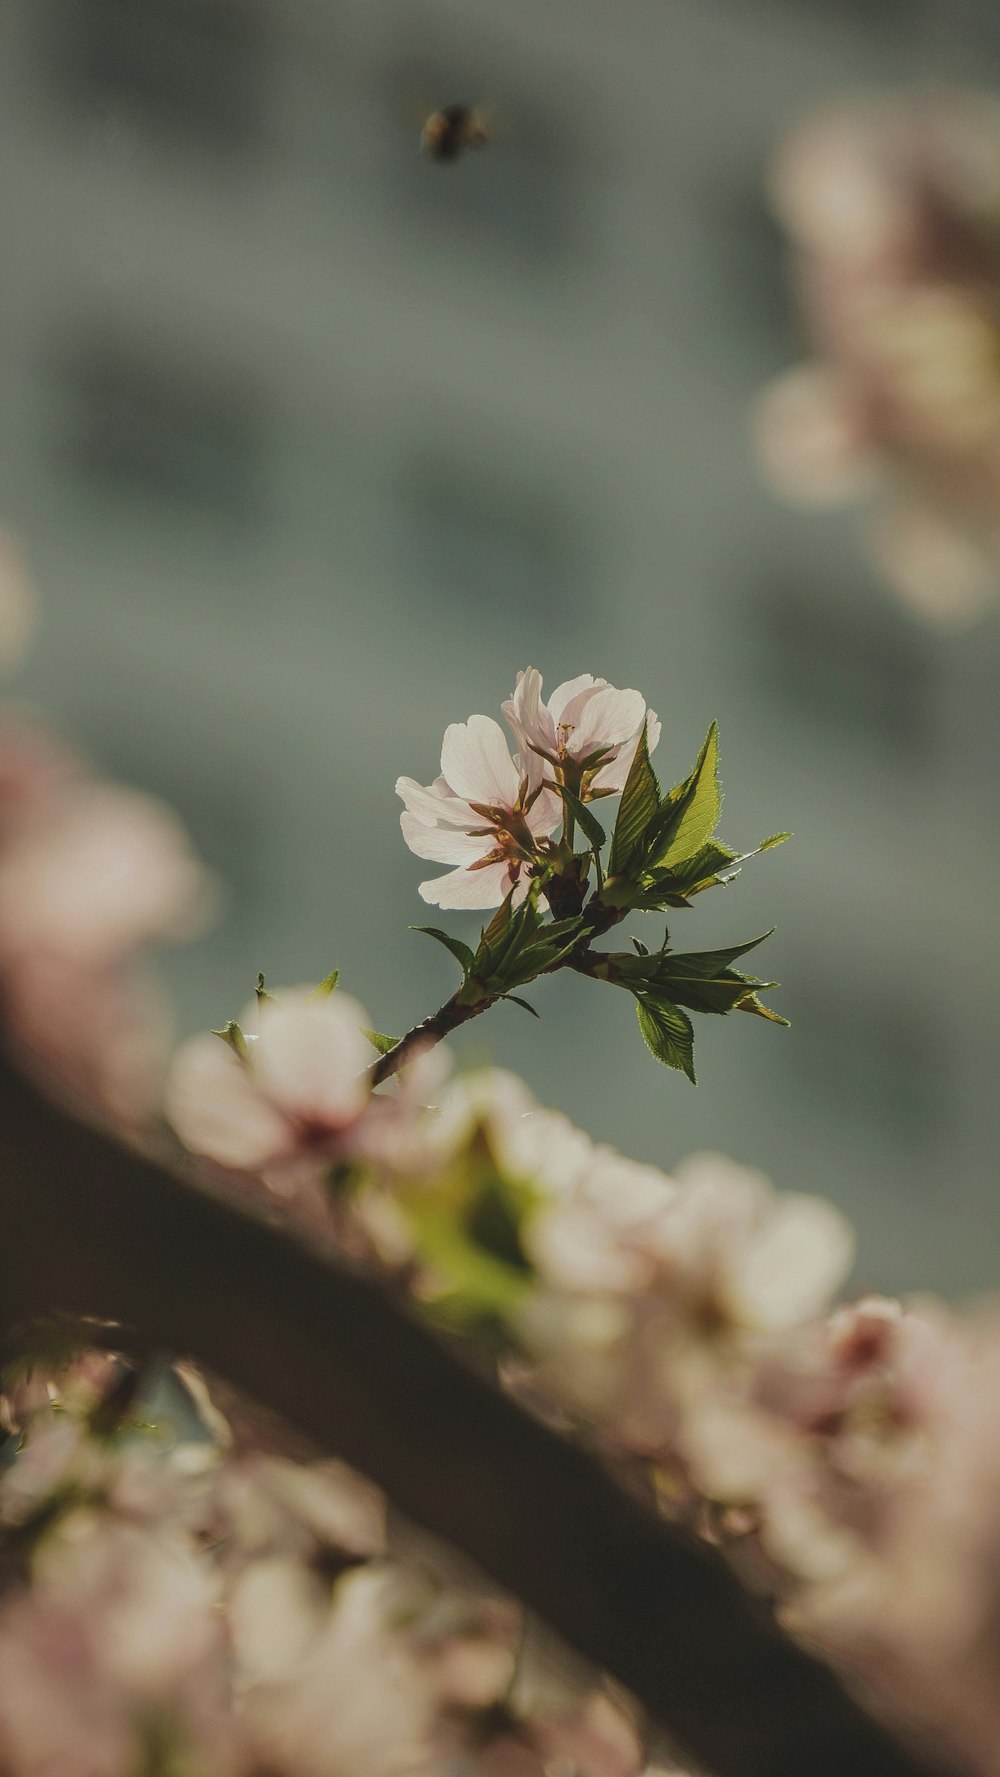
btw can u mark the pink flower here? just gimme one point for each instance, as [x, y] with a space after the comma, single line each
[299, 1089]
[588, 730]
[100, 872]
[16, 603]
[485, 814]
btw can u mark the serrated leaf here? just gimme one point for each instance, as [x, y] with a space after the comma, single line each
[380, 1042]
[668, 1034]
[767, 844]
[326, 986]
[524, 1005]
[705, 963]
[639, 804]
[690, 814]
[589, 826]
[461, 952]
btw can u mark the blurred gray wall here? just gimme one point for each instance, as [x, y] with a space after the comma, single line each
[313, 444]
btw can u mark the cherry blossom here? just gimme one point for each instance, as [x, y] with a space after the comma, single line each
[296, 1090]
[588, 731]
[97, 873]
[892, 209]
[486, 814]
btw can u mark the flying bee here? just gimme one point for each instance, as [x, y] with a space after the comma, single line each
[449, 132]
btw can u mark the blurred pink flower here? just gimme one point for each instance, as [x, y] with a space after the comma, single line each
[95, 875]
[485, 813]
[17, 606]
[894, 209]
[588, 729]
[294, 1095]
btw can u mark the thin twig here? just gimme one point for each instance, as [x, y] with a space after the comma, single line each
[90, 1228]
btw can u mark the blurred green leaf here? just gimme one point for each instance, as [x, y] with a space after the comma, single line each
[325, 987]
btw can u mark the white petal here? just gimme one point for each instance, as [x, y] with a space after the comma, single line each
[434, 803]
[311, 1057]
[613, 775]
[568, 690]
[468, 888]
[545, 814]
[442, 845]
[477, 764]
[608, 718]
[528, 716]
[217, 1109]
[789, 1269]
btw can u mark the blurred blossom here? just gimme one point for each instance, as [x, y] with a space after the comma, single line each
[98, 874]
[16, 603]
[294, 1093]
[894, 211]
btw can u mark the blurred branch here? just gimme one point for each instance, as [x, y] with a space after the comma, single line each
[91, 1228]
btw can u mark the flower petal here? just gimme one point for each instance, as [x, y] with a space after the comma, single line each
[607, 719]
[564, 694]
[545, 814]
[434, 803]
[443, 845]
[477, 764]
[311, 1055]
[613, 775]
[217, 1110]
[468, 888]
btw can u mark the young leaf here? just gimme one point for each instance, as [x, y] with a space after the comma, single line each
[690, 813]
[750, 1003]
[234, 1039]
[382, 1043]
[667, 1032]
[640, 802]
[589, 827]
[515, 1000]
[461, 952]
[261, 991]
[326, 986]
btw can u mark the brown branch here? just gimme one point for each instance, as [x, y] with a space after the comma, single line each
[430, 1030]
[90, 1228]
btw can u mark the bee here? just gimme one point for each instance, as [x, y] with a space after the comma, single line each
[449, 132]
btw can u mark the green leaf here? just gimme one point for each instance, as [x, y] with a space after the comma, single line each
[491, 934]
[705, 963]
[639, 804]
[261, 991]
[690, 814]
[668, 1034]
[233, 1037]
[326, 986]
[589, 826]
[750, 1003]
[524, 1005]
[461, 952]
[382, 1043]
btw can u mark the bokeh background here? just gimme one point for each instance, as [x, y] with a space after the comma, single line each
[313, 443]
